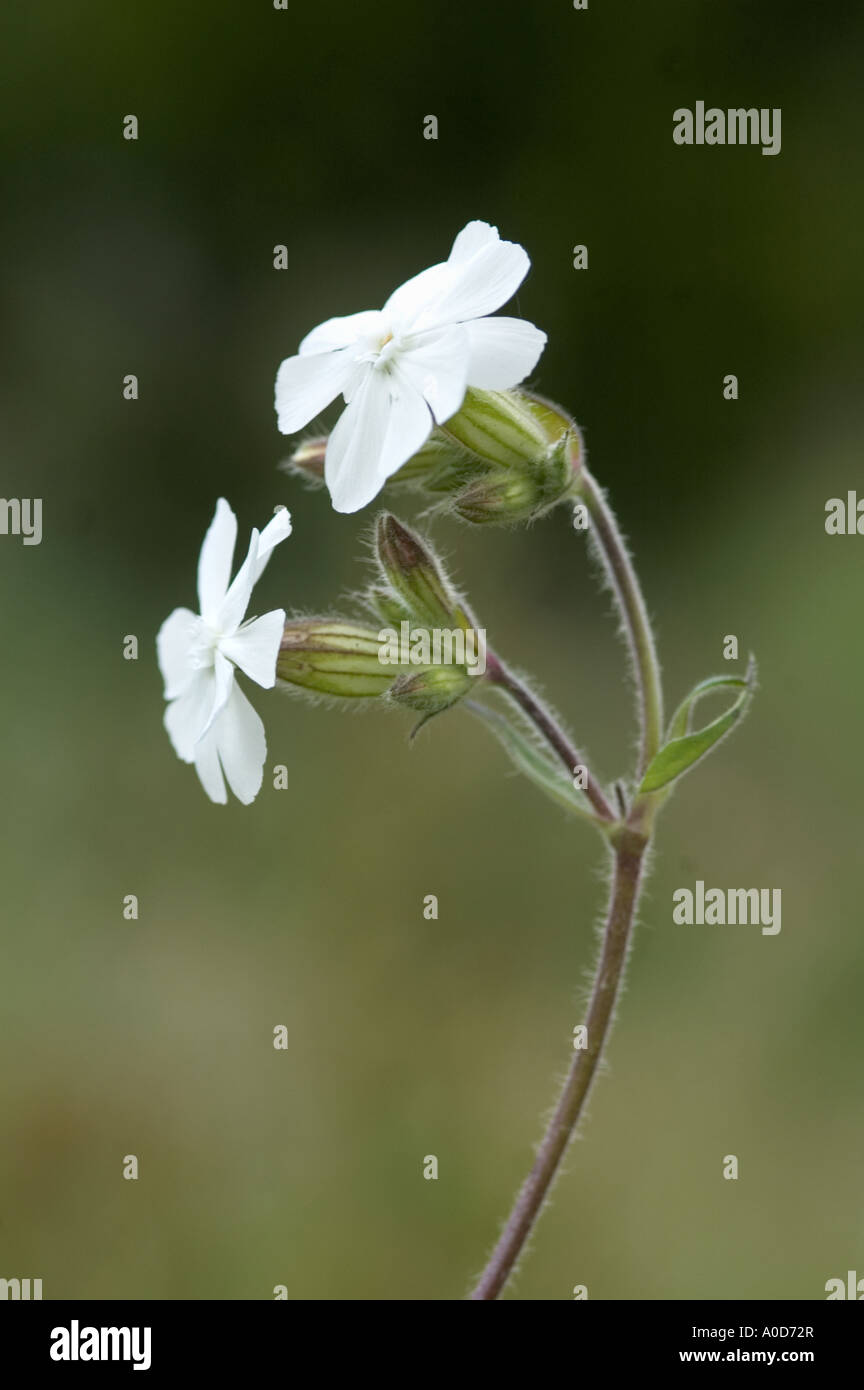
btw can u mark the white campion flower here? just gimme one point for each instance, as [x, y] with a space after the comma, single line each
[405, 368]
[209, 720]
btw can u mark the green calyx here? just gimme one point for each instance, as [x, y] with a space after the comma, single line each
[327, 656]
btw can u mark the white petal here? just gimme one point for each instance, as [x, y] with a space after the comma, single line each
[172, 650]
[472, 239]
[222, 675]
[480, 283]
[436, 364]
[409, 425]
[417, 297]
[352, 465]
[305, 385]
[255, 647]
[341, 332]
[187, 717]
[278, 529]
[214, 563]
[242, 746]
[232, 610]
[208, 769]
[503, 352]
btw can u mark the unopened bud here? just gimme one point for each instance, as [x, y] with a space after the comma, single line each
[508, 496]
[416, 577]
[501, 499]
[332, 657]
[307, 460]
[432, 691]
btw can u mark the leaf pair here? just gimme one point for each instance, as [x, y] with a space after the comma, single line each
[684, 748]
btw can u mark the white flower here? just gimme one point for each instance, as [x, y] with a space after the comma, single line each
[209, 720]
[406, 367]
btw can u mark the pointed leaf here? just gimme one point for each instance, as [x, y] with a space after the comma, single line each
[528, 759]
[684, 748]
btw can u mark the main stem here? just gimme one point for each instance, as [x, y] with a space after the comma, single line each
[629, 853]
[629, 841]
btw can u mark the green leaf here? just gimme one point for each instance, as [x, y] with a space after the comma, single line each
[545, 774]
[683, 748]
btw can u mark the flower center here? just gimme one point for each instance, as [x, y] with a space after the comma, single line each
[202, 646]
[380, 348]
[387, 350]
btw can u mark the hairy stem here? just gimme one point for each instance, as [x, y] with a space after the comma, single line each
[634, 615]
[629, 840]
[629, 855]
[545, 723]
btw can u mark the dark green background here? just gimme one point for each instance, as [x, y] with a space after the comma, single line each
[409, 1037]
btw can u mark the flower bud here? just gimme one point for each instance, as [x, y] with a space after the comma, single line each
[501, 499]
[511, 495]
[307, 460]
[330, 657]
[416, 578]
[433, 691]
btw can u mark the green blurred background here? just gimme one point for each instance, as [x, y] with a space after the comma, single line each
[409, 1037]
